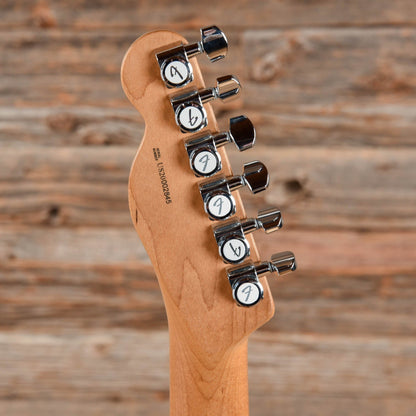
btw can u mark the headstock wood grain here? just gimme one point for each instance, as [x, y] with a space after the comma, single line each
[208, 331]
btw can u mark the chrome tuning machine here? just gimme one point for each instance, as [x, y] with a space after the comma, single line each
[219, 203]
[175, 68]
[244, 279]
[230, 236]
[190, 114]
[202, 149]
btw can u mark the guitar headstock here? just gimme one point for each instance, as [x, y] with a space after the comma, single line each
[167, 198]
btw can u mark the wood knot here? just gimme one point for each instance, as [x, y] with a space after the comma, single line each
[115, 398]
[54, 211]
[42, 16]
[272, 64]
[96, 138]
[386, 80]
[62, 122]
[295, 189]
[53, 215]
[266, 68]
[293, 186]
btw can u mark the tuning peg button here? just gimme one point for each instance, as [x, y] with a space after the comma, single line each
[214, 43]
[202, 149]
[190, 114]
[269, 219]
[282, 263]
[255, 176]
[175, 68]
[244, 280]
[219, 204]
[242, 133]
[230, 236]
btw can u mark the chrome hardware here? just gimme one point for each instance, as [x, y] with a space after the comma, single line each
[282, 263]
[244, 280]
[219, 204]
[190, 114]
[230, 236]
[175, 68]
[270, 219]
[214, 43]
[202, 149]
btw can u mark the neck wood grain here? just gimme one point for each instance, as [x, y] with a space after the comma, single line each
[208, 332]
[214, 386]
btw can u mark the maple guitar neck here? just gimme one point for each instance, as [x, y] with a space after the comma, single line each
[208, 331]
[209, 383]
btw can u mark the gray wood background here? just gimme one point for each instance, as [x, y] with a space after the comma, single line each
[331, 88]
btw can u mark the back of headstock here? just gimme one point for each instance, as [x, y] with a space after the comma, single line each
[208, 331]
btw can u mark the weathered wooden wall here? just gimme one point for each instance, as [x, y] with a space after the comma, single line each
[331, 87]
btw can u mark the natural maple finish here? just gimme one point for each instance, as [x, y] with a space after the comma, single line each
[208, 331]
[86, 185]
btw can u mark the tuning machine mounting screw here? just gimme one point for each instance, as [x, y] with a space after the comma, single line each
[216, 194]
[190, 114]
[202, 149]
[230, 236]
[244, 279]
[175, 68]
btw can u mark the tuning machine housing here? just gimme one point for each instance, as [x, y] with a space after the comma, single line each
[202, 149]
[230, 236]
[175, 68]
[219, 203]
[244, 279]
[190, 114]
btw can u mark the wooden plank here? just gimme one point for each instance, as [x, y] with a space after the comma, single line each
[344, 187]
[71, 90]
[71, 246]
[361, 366]
[376, 125]
[91, 366]
[354, 305]
[70, 126]
[153, 404]
[321, 59]
[56, 90]
[359, 189]
[66, 52]
[327, 252]
[147, 15]
[308, 86]
[72, 164]
[50, 297]
[331, 71]
[67, 204]
[97, 52]
[316, 404]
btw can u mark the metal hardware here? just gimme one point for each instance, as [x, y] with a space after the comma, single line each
[230, 236]
[219, 204]
[202, 149]
[190, 114]
[175, 68]
[244, 280]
